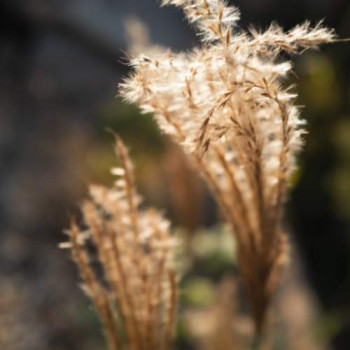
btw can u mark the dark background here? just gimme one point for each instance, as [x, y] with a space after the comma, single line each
[60, 62]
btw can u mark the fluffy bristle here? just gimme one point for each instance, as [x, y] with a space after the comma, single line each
[225, 105]
[134, 249]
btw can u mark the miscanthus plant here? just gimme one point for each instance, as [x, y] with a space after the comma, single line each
[225, 103]
[133, 248]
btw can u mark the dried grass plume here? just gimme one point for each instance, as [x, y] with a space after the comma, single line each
[137, 295]
[225, 104]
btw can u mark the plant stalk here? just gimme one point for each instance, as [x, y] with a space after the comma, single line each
[257, 342]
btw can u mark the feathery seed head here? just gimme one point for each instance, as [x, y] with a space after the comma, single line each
[225, 104]
[134, 249]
